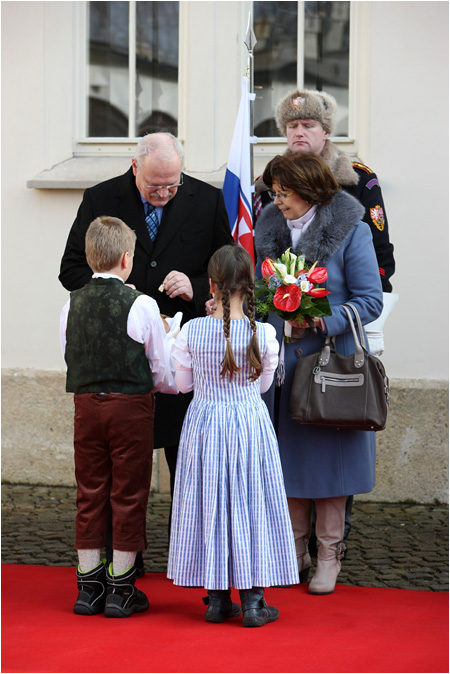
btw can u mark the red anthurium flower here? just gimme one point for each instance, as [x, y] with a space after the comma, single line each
[267, 268]
[287, 298]
[318, 292]
[318, 275]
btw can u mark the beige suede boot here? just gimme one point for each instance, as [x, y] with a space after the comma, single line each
[300, 511]
[330, 532]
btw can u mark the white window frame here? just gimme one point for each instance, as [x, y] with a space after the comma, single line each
[85, 146]
[270, 146]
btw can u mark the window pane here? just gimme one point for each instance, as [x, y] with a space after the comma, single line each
[108, 69]
[275, 26]
[326, 57]
[326, 54]
[156, 67]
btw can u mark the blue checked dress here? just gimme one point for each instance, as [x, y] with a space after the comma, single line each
[230, 520]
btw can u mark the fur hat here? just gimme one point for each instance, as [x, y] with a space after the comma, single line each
[306, 104]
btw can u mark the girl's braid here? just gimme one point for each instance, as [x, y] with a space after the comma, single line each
[228, 363]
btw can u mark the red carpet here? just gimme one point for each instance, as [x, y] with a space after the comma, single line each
[353, 630]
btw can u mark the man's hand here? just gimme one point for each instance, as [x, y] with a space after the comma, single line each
[210, 306]
[177, 284]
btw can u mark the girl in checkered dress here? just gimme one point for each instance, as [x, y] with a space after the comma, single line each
[230, 521]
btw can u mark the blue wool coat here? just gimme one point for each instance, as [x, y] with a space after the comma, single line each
[320, 462]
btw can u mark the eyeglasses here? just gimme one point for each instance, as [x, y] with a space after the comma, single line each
[279, 195]
[155, 188]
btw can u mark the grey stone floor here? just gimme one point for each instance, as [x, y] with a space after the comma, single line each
[397, 545]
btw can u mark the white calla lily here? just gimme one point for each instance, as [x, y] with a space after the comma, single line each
[292, 262]
[305, 286]
[281, 268]
[288, 279]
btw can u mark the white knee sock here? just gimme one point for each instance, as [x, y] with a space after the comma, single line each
[122, 561]
[88, 560]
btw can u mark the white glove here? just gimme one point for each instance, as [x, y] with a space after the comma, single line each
[374, 330]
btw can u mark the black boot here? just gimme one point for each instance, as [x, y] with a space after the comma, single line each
[91, 591]
[256, 612]
[220, 606]
[123, 598]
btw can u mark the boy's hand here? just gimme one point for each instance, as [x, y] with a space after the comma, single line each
[174, 326]
[166, 325]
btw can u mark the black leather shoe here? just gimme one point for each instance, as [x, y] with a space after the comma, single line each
[220, 606]
[123, 598]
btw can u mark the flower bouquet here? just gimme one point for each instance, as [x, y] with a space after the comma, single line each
[290, 288]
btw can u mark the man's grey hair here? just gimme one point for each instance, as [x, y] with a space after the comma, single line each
[165, 145]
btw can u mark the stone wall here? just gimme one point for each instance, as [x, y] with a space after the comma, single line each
[412, 463]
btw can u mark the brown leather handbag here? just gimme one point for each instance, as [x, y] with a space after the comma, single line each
[343, 392]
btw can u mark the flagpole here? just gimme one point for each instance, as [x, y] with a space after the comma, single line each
[250, 41]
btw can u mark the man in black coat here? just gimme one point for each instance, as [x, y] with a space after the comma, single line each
[170, 266]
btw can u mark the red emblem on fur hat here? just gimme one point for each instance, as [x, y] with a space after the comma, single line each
[298, 102]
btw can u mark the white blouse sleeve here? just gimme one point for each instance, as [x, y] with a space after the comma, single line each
[183, 361]
[269, 359]
[63, 326]
[145, 326]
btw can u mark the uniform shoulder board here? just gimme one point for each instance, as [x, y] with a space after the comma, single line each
[363, 167]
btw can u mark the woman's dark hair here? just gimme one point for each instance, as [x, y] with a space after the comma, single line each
[231, 269]
[304, 173]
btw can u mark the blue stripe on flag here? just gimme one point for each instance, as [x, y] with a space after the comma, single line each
[231, 188]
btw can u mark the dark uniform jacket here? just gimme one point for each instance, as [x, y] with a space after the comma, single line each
[362, 183]
[194, 224]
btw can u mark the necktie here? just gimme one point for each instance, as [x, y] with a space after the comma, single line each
[152, 221]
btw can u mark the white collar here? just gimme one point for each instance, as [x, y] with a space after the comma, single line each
[303, 222]
[107, 275]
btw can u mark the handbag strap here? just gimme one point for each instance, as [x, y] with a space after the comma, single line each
[362, 336]
[359, 358]
[359, 351]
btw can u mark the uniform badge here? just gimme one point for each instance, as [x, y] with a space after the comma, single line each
[298, 102]
[377, 215]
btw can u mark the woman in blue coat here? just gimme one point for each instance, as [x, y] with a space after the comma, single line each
[313, 217]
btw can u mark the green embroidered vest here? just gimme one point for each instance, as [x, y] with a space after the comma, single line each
[100, 355]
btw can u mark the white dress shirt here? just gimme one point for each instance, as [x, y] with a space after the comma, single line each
[145, 326]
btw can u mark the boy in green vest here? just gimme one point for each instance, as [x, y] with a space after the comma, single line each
[117, 354]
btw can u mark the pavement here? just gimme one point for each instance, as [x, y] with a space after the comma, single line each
[396, 545]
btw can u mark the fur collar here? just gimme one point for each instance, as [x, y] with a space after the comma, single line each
[325, 235]
[340, 164]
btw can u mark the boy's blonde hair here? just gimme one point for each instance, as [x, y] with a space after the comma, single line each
[107, 239]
